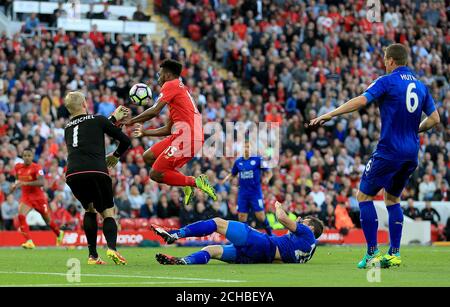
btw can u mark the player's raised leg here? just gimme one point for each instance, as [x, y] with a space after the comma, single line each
[165, 159]
[164, 171]
[23, 226]
[235, 232]
[197, 229]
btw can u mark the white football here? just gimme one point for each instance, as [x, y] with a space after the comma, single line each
[140, 94]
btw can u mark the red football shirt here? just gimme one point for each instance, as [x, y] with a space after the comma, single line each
[27, 174]
[182, 109]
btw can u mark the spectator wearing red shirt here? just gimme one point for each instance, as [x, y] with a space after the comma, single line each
[272, 105]
[233, 109]
[97, 37]
[137, 150]
[61, 38]
[240, 28]
[274, 117]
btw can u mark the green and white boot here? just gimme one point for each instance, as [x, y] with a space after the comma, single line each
[370, 260]
[204, 185]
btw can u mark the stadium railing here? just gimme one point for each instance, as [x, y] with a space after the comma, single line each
[41, 7]
[112, 26]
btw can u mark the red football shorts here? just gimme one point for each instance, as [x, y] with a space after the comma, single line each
[172, 153]
[40, 205]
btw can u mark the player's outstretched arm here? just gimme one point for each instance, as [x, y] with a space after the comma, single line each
[162, 131]
[348, 107]
[119, 114]
[147, 114]
[430, 122]
[283, 218]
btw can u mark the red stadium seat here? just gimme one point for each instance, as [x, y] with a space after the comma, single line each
[172, 222]
[127, 224]
[156, 221]
[141, 224]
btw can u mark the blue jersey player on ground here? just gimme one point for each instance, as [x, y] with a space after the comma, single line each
[247, 244]
[250, 197]
[402, 100]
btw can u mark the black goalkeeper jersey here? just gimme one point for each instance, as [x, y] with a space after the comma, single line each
[85, 139]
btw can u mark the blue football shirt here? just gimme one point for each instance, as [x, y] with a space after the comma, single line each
[249, 171]
[402, 99]
[296, 247]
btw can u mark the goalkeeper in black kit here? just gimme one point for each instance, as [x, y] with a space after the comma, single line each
[87, 170]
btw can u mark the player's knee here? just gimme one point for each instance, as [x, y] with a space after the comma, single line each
[156, 176]
[242, 217]
[221, 224]
[390, 199]
[91, 208]
[107, 213]
[23, 209]
[261, 216]
[214, 251]
[46, 218]
[207, 249]
[360, 196]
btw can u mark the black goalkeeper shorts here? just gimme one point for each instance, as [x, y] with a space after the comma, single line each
[95, 188]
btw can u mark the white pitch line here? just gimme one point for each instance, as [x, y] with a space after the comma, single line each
[129, 276]
[101, 284]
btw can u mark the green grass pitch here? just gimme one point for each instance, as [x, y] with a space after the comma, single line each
[330, 266]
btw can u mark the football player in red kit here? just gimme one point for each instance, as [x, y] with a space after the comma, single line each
[30, 178]
[184, 133]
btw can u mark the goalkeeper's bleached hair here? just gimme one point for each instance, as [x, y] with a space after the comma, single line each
[74, 102]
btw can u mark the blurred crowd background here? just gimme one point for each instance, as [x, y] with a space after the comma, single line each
[286, 61]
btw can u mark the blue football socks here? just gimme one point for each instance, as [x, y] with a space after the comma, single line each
[200, 257]
[369, 224]
[197, 229]
[395, 227]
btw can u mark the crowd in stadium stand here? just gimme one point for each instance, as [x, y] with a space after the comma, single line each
[287, 62]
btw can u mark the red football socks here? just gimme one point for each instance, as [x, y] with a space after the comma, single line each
[24, 228]
[54, 228]
[175, 178]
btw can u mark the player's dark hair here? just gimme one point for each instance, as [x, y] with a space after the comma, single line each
[28, 149]
[398, 53]
[317, 224]
[173, 66]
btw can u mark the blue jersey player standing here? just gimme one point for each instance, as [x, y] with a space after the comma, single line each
[247, 244]
[402, 100]
[250, 195]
